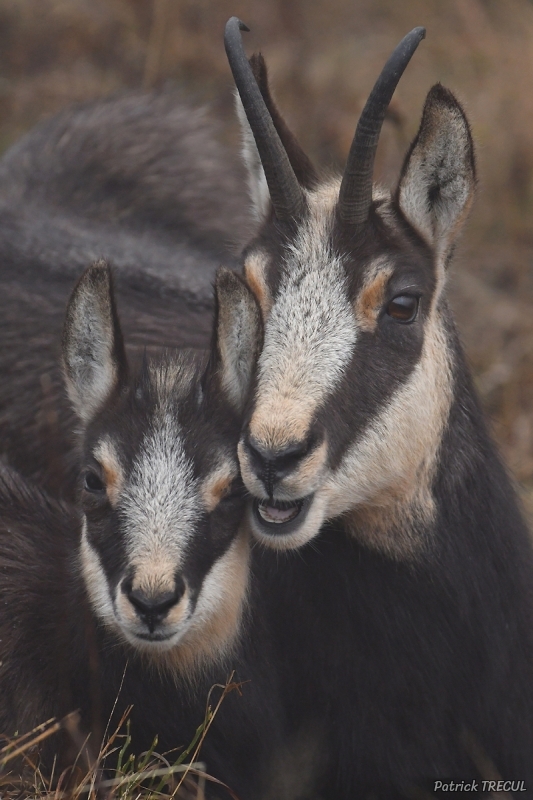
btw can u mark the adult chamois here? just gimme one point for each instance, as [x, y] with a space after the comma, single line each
[408, 606]
[138, 179]
[142, 596]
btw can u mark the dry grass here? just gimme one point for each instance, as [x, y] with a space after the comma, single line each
[324, 56]
[149, 776]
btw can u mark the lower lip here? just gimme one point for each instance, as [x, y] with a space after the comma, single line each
[153, 638]
[283, 527]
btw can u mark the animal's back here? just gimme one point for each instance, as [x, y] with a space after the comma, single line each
[139, 179]
[142, 180]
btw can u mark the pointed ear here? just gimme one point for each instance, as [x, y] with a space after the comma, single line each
[303, 168]
[438, 179]
[238, 336]
[302, 165]
[94, 360]
[257, 185]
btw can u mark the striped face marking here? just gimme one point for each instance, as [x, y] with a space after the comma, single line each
[355, 382]
[159, 506]
[310, 335]
[163, 559]
[341, 383]
[369, 301]
[256, 276]
[105, 454]
[217, 485]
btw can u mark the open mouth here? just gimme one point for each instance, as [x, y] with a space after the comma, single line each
[281, 516]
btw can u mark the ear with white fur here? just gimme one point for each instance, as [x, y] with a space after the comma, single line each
[238, 336]
[257, 185]
[94, 359]
[301, 164]
[438, 179]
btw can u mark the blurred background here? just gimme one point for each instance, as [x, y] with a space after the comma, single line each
[324, 56]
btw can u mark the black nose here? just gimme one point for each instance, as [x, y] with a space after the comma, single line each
[272, 465]
[152, 608]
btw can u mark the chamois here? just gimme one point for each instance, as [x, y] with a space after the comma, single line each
[140, 180]
[142, 597]
[408, 606]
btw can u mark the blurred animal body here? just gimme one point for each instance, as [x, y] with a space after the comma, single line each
[140, 180]
[144, 598]
[409, 602]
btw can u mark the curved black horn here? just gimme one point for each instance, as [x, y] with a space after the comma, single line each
[355, 195]
[303, 167]
[285, 192]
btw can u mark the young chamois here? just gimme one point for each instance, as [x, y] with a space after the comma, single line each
[408, 609]
[142, 597]
[139, 180]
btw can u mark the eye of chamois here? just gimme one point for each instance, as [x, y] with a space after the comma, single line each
[93, 483]
[403, 308]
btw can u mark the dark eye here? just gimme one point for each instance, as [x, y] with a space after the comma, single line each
[92, 482]
[403, 308]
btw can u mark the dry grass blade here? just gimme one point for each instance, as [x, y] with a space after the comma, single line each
[148, 776]
[29, 740]
[230, 686]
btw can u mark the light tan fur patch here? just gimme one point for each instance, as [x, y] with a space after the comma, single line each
[216, 485]
[106, 454]
[282, 420]
[301, 362]
[95, 579]
[154, 570]
[217, 618]
[369, 301]
[255, 269]
[388, 474]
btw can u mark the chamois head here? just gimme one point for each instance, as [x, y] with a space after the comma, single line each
[163, 559]
[354, 380]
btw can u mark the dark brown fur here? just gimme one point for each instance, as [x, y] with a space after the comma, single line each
[58, 650]
[140, 180]
[395, 654]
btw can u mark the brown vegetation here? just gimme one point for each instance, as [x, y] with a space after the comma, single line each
[323, 57]
[149, 776]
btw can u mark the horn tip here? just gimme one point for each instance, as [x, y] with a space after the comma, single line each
[235, 21]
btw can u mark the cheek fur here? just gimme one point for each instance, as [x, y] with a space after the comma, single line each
[106, 537]
[389, 468]
[95, 579]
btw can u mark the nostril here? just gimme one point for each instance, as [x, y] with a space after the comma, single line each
[291, 452]
[154, 605]
[272, 464]
[290, 455]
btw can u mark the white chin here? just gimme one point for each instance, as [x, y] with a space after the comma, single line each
[148, 644]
